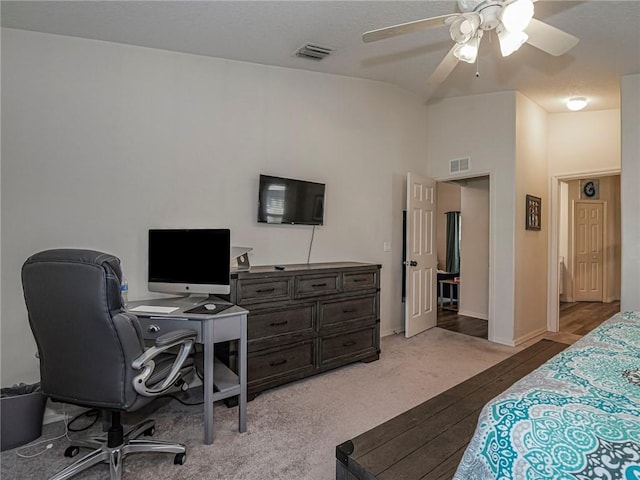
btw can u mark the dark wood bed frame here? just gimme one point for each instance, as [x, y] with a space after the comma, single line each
[428, 441]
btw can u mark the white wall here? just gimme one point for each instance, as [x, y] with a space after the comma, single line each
[102, 141]
[474, 248]
[582, 142]
[531, 245]
[630, 193]
[483, 127]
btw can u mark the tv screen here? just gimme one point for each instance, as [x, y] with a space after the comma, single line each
[192, 261]
[289, 201]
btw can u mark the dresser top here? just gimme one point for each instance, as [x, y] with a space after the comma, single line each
[298, 268]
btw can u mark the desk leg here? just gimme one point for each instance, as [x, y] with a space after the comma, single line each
[242, 373]
[208, 381]
[440, 299]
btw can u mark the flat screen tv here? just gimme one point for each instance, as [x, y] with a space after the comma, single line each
[289, 201]
[189, 261]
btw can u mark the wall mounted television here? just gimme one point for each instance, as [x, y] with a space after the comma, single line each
[290, 201]
[189, 261]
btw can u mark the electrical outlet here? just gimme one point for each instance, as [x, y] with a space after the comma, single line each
[386, 246]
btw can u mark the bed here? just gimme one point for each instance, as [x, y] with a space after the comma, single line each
[575, 417]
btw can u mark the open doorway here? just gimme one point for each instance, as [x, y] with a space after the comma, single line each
[587, 276]
[463, 268]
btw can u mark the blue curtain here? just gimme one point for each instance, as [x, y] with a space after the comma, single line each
[453, 242]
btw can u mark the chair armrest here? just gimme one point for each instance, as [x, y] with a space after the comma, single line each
[183, 338]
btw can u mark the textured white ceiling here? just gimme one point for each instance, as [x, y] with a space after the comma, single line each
[268, 32]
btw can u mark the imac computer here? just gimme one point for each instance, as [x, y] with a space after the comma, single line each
[195, 262]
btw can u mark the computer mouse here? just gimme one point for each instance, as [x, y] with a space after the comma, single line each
[210, 306]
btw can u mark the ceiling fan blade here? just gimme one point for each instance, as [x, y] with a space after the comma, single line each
[404, 28]
[445, 67]
[549, 38]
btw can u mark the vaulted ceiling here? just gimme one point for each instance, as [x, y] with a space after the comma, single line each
[269, 32]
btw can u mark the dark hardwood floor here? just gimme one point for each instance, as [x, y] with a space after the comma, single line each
[475, 327]
[577, 318]
[580, 318]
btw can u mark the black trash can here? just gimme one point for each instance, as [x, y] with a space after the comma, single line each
[22, 410]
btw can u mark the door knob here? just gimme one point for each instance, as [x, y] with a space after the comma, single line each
[413, 263]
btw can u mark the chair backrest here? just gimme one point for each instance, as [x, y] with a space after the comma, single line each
[86, 342]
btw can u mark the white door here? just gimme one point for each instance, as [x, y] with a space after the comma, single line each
[421, 261]
[589, 226]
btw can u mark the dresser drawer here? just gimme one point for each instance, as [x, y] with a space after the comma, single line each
[314, 285]
[335, 313]
[263, 290]
[280, 322]
[359, 281]
[332, 347]
[284, 361]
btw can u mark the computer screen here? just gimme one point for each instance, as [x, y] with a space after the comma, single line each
[191, 261]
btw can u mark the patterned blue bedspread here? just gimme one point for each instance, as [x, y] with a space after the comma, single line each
[575, 417]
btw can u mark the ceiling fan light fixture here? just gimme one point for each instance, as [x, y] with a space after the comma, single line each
[464, 27]
[516, 16]
[577, 103]
[510, 41]
[467, 52]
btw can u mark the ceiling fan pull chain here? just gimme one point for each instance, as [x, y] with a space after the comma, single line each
[478, 66]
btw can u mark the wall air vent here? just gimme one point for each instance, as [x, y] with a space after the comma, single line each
[313, 52]
[460, 165]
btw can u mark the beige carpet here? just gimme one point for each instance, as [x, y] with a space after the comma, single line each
[292, 431]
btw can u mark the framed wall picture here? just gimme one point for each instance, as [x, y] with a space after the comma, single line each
[589, 189]
[533, 220]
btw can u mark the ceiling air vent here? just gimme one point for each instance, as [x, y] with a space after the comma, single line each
[459, 165]
[313, 52]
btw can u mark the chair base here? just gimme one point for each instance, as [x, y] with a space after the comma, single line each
[113, 455]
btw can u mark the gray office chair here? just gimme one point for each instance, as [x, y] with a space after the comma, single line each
[92, 352]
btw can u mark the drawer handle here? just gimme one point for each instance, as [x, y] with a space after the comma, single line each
[277, 324]
[265, 290]
[358, 280]
[153, 329]
[349, 310]
[277, 363]
[319, 284]
[349, 344]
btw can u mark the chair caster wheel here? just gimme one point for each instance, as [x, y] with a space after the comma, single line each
[71, 451]
[180, 459]
[149, 432]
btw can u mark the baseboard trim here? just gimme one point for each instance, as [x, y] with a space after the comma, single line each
[468, 313]
[529, 336]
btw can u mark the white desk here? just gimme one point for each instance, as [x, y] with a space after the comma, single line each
[230, 324]
[451, 305]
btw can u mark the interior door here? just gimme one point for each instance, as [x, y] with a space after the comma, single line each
[589, 225]
[421, 261]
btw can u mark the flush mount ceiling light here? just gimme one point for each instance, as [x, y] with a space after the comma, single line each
[577, 103]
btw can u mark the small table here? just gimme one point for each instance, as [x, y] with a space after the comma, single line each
[229, 324]
[451, 306]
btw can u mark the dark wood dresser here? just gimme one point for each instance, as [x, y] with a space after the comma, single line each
[307, 319]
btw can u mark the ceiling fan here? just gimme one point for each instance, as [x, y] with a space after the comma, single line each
[512, 21]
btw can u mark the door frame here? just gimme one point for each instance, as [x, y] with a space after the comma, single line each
[493, 275]
[553, 289]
